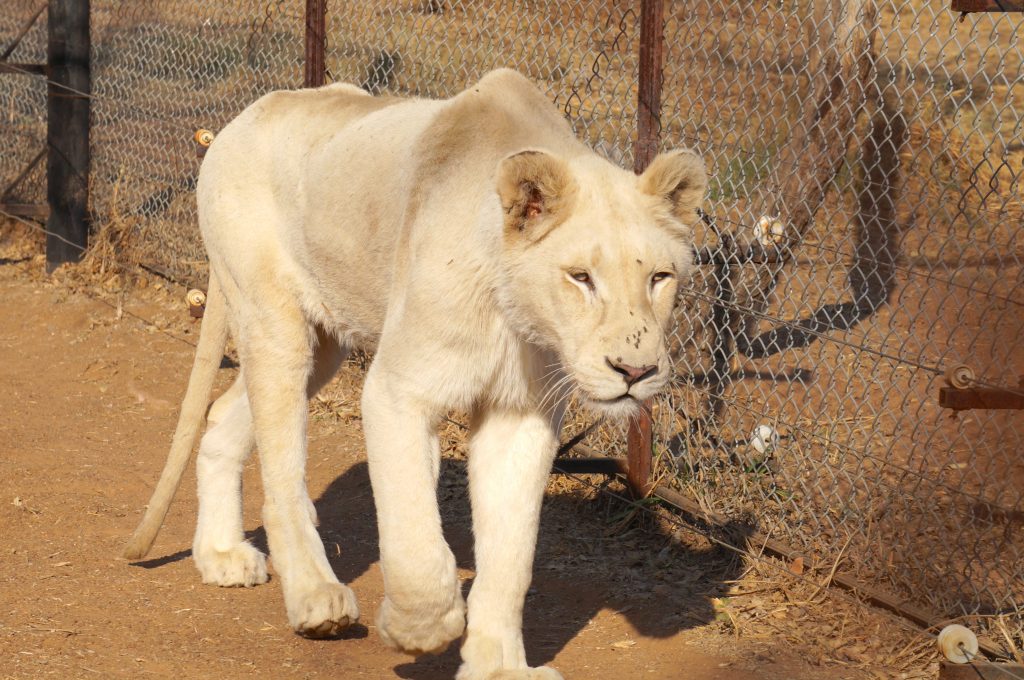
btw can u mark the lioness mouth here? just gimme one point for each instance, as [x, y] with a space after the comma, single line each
[616, 400]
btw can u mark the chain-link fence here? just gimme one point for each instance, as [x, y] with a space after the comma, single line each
[23, 107]
[910, 264]
[862, 234]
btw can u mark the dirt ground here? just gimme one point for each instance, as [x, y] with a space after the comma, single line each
[91, 381]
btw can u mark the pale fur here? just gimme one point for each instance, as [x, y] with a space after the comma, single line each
[492, 262]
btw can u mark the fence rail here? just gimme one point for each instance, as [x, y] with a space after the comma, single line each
[863, 233]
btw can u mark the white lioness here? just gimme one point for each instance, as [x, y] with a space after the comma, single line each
[492, 262]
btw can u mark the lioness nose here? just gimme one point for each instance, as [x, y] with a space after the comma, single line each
[632, 374]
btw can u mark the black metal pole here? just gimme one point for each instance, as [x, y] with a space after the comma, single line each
[67, 131]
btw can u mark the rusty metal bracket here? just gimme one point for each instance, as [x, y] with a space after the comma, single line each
[967, 398]
[966, 6]
[962, 394]
[981, 670]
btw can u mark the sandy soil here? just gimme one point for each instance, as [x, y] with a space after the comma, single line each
[91, 385]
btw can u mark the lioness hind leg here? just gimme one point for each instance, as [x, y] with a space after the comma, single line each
[327, 357]
[277, 350]
[220, 552]
[219, 549]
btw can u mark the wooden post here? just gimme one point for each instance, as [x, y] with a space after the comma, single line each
[316, 43]
[639, 440]
[67, 131]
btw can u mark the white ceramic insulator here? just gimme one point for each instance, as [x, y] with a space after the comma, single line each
[196, 297]
[203, 137]
[958, 644]
[960, 376]
[769, 231]
[761, 229]
[764, 439]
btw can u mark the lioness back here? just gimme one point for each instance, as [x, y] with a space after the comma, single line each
[374, 163]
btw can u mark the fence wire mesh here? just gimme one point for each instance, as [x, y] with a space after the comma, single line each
[23, 102]
[882, 142]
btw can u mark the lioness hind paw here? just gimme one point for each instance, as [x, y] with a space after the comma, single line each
[241, 566]
[325, 611]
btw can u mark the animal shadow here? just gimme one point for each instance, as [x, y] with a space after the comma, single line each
[658, 583]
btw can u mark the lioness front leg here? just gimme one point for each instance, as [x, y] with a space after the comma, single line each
[423, 609]
[276, 354]
[509, 463]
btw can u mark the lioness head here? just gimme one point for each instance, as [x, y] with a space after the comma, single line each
[592, 260]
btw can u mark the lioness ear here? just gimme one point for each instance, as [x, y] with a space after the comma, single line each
[533, 186]
[679, 177]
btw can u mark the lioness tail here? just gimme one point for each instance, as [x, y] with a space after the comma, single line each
[212, 339]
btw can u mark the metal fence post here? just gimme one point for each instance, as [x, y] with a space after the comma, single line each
[652, 48]
[640, 444]
[67, 131]
[316, 40]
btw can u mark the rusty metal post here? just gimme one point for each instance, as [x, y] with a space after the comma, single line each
[640, 452]
[640, 443]
[316, 43]
[648, 115]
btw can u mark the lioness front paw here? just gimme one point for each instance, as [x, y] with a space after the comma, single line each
[499, 657]
[324, 611]
[242, 565]
[425, 631]
[538, 673]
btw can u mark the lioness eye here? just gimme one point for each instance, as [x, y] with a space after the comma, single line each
[660, 276]
[582, 277]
